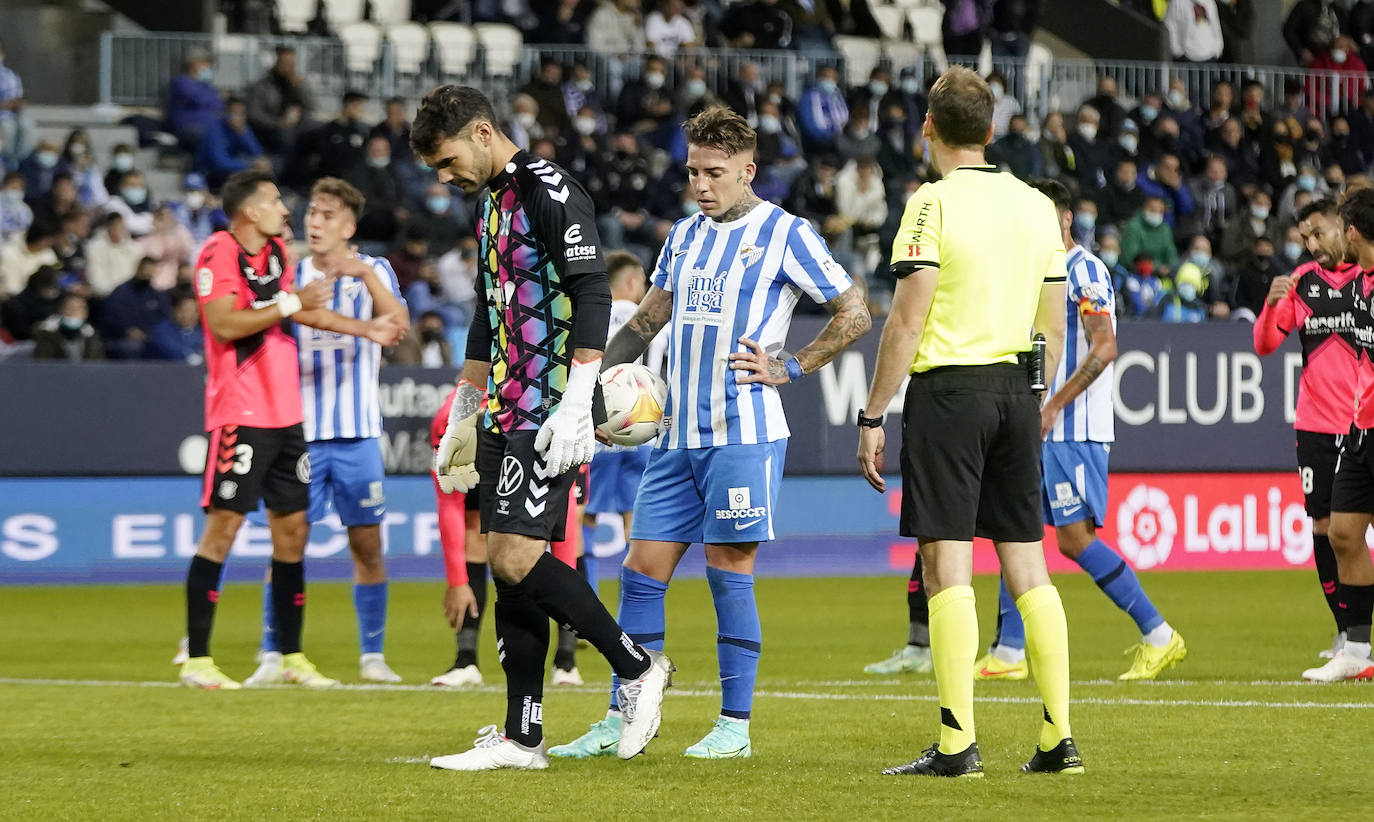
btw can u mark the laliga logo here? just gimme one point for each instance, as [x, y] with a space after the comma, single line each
[1146, 527]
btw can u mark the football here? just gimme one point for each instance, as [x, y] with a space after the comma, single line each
[635, 397]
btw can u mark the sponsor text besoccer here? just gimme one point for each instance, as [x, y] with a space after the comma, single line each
[740, 507]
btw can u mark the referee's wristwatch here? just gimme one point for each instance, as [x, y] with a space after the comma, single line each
[869, 422]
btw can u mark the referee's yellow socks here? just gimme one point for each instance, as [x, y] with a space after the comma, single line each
[953, 650]
[1047, 649]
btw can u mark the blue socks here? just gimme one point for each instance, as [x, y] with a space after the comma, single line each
[370, 603]
[269, 633]
[1112, 575]
[1011, 631]
[1119, 583]
[368, 600]
[641, 615]
[739, 639]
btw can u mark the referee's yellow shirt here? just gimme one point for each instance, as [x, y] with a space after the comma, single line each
[996, 241]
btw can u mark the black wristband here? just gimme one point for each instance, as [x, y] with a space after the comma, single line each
[868, 422]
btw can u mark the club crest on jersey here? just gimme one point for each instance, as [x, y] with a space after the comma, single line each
[750, 254]
[1314, 290]
[205, 282]
[705, 296]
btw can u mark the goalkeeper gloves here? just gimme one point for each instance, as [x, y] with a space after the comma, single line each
[567, 439]
[455, 458]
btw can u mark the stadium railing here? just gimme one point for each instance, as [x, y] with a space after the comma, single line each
[136, 67]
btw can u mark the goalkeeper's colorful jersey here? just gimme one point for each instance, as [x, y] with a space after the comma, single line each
[733, 280]
[254, 380]
[536, 231]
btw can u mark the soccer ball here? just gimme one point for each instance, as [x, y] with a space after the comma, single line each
[634, 397]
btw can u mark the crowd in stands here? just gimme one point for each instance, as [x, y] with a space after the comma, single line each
[1191, 203]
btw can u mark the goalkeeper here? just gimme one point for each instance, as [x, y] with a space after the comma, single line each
[533, 354]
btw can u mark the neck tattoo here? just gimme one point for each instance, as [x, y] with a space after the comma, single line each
[740, 208]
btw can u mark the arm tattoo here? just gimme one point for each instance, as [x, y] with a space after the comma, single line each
[465, 403]
[655, 310]
[1093, 364]
[849, 320]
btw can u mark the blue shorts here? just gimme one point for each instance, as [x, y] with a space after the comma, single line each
[615, 475]
[346, 476]
[1075, 485]
[720, 495]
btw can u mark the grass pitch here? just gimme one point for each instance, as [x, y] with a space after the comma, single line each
[93, 729]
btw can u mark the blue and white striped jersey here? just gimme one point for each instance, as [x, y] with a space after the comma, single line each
[732, 280]
[1089, 417]
[338, 371]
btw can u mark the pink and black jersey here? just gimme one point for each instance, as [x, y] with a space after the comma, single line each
[255, 380]
[1323, 308]
[536, 232]
[1364, 313]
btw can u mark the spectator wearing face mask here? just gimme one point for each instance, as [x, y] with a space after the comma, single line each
[1194, 29]
[1128, 143]
[1004, 105]
[1184, 303]
[131, 203]
[579, 92]
[426, 346]
[78, 161]
[1092, 157]
[645, 104]
[381, 189]
[1292, 253]
[1015, 152]
[1164, 179]
[15, 214]
[1253, 275]
[857, 140]
[1351, 81]
[121, 163]
[1141, 291]
[822, 113]
[229, 145]
[1311, 28]
[198, 211]
[871, 96]
[39, 170]
[193, 103]
[1239, 237]
[1147, 235]
[1307, 180]
[1217, 290]
[443, 221]
[70, 249]
[178, 337]
[1057, 158]
[1343, 151]
[695, 94]
[777, 149]
[544, 93]
[523, 127]
[1216, 199]
[68, 335]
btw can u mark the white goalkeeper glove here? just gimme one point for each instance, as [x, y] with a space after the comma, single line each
[567, 439]
[455, 458]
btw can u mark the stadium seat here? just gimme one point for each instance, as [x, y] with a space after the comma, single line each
[456, 45]
[295, 15]
[409, 46]
[901, 53]
[340, 13]
[925, 25]
[891, 21]
[390, 12]
[362, 46]
[860, 56]
[501, 44]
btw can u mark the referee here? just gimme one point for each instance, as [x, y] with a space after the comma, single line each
[979, 261]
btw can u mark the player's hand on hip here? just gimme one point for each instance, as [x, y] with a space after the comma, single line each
[317, 293]
[757, 365]
[385, 330]
[1279, 288]
[459, 602]
[871, 443]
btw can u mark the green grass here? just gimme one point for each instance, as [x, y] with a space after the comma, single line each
[821, 730]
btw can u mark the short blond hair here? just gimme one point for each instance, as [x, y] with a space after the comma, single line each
[720, 128]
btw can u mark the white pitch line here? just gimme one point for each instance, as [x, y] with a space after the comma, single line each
[763, 694]
[927, 679]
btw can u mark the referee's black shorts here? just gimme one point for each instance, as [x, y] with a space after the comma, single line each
[971, 455]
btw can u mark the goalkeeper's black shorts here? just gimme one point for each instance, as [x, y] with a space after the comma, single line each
[516, 495]
[244, 465]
